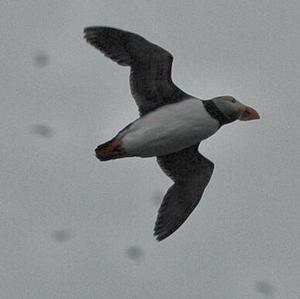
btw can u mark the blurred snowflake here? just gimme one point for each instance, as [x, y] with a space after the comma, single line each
[264, 287]
[40, 59]
[134, 253]
[62, 235]
[42, 130]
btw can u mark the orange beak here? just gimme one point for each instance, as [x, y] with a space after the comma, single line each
[248, 113]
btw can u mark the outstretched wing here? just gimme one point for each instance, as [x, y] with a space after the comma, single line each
[150, 76]
[191, 173]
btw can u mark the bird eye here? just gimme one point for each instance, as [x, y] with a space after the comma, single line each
[233, 100]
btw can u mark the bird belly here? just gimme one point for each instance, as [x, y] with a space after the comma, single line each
[169, 129]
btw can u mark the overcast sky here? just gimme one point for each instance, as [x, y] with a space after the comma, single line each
[72, 227]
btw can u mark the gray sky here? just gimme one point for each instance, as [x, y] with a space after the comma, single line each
[72, 227]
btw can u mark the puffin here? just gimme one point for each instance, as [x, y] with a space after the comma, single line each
[171, 126]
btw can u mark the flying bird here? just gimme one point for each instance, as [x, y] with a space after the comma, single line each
[171, 125]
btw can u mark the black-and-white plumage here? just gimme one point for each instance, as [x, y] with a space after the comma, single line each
[171, 126]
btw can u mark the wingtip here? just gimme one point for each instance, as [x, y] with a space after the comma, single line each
[94, 34]
[91, 31]
[155, 234]
[160, 237]
[159, 234]
[157, 237]
[90, 28]
[97, 29]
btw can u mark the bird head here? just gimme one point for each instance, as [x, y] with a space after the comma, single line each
[234, 109]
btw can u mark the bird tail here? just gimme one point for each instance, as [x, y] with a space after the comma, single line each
[110, 150]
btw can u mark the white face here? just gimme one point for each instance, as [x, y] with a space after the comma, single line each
[234, 109]
[229, 106]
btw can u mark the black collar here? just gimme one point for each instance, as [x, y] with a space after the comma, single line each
[215, 112]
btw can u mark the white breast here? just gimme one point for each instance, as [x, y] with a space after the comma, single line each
[169, 129]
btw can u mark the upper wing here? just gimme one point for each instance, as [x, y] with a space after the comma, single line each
[150, 77]
[191, 173]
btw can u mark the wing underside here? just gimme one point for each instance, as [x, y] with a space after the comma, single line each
[191, 173]
[151, 66]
